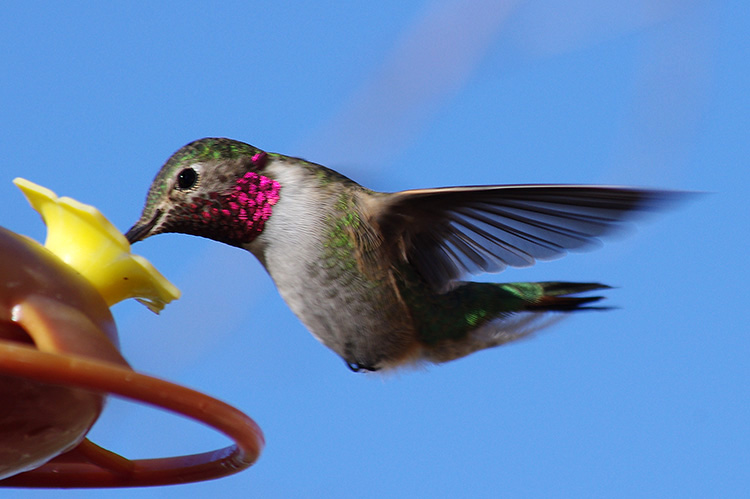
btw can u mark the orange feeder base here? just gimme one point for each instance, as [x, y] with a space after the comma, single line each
[89, 465]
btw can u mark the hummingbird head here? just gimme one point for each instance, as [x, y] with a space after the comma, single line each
[214, 188]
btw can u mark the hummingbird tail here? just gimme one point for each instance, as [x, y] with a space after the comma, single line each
[556, 297]
[495, 314]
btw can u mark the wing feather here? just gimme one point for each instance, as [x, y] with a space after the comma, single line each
[448, 232]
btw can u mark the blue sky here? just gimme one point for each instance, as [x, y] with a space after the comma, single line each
[650, 399]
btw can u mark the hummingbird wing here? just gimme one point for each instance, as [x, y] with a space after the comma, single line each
[447, 232]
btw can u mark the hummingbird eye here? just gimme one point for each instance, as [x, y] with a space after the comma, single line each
[187, 179]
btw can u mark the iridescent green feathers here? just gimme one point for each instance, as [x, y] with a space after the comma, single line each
[472, 305]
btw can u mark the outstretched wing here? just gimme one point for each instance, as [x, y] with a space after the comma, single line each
[446, 232]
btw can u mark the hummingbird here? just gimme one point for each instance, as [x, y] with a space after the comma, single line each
[378, 277]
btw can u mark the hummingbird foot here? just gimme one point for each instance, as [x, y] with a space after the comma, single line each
[360, 368]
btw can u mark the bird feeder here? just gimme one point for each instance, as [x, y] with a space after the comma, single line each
[60, 359]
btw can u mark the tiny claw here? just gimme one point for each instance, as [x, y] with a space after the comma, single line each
[359, 368]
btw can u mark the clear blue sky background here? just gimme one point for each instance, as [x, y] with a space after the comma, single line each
[650, 399]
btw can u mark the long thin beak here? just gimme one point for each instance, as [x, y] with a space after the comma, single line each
[141, 230]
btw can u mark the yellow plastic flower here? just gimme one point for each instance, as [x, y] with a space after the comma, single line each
[84, 239]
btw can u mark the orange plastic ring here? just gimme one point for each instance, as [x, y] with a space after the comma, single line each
[89, 465]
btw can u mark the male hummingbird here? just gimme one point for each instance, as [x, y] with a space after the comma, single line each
[376, 276]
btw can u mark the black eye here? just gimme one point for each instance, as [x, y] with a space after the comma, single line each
[187, 179]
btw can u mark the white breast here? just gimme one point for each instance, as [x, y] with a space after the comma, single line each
[357, 317]
[290, 245]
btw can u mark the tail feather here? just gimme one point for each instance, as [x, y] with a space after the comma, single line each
[556, 296]
[466, 320]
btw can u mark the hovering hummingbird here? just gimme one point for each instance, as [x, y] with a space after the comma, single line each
[376, 276]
